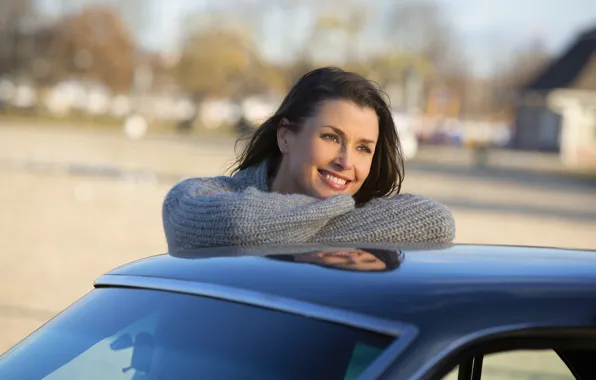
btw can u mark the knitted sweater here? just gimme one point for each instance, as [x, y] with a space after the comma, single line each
[240, 210]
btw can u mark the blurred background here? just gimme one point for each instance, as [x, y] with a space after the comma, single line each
[104, 105]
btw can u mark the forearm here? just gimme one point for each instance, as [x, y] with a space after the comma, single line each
[402, 219]
[195, 216]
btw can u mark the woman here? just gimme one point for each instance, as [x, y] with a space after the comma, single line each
[324, 168]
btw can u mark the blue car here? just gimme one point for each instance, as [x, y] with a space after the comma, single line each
[327, 312]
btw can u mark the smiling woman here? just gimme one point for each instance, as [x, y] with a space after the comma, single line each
[326, 167]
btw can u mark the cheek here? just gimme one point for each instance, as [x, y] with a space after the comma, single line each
[324, 152]
[318, 153]
[307, 155]
[363, 168]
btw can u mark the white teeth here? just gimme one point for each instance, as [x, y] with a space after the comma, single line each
[339, 181]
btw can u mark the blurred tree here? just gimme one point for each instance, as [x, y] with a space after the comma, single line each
[214, 63]
[391, 68]
[16, 43]
[421, 28]
[354, 26]
[297, 68]
[222, 62]
[134, 13]
[95, 45]
[424, 47]
[493, 96]
[521, 67]
[338, 21]
[333, 20]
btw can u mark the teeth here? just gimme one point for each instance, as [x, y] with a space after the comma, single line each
[339, 181]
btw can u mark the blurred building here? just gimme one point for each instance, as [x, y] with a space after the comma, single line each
[557, 109]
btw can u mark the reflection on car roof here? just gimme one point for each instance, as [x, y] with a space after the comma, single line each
[388, 280]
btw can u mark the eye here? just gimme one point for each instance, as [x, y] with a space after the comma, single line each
[330, 137]
[365, 149]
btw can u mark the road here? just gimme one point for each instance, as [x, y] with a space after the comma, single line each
[75, 205]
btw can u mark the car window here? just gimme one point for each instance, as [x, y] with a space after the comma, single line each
[522, 365]
[138, 334]
[111, 357]
[525, 365]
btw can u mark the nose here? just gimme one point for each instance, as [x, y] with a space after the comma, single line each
[344, 159]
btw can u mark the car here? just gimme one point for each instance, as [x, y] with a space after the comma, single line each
[347, 311]
[407, 136]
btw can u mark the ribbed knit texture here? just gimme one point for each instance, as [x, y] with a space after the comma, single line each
[240, 211]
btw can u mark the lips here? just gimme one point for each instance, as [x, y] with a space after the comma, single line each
[334, 181]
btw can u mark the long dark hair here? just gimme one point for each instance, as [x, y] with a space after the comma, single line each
[331, 83]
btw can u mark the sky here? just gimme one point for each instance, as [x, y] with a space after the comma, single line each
[488, 30]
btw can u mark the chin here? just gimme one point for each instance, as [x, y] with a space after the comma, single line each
[319, 195]
[323, 194]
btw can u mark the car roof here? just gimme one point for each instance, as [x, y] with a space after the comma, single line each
[424, 278]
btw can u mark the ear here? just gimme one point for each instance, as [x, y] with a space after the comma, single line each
[284, 136]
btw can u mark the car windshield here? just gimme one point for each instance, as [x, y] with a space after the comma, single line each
[119, 333]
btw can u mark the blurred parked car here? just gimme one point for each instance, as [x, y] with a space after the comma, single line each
[327, 312]
[407, 136]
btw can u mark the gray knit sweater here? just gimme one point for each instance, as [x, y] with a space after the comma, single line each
[240, 210]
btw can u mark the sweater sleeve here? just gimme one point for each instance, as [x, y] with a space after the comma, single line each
[403, 219]
[206, 212]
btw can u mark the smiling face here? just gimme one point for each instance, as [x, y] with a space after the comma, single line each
[355, 259]
[330, 154]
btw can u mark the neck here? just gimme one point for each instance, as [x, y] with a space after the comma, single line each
[277, 180]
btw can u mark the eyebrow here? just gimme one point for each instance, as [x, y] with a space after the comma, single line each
[343, 135]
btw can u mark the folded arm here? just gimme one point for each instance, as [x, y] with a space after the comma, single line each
[205, 212]
[401, 219]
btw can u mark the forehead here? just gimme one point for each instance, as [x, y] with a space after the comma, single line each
[349, 117]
